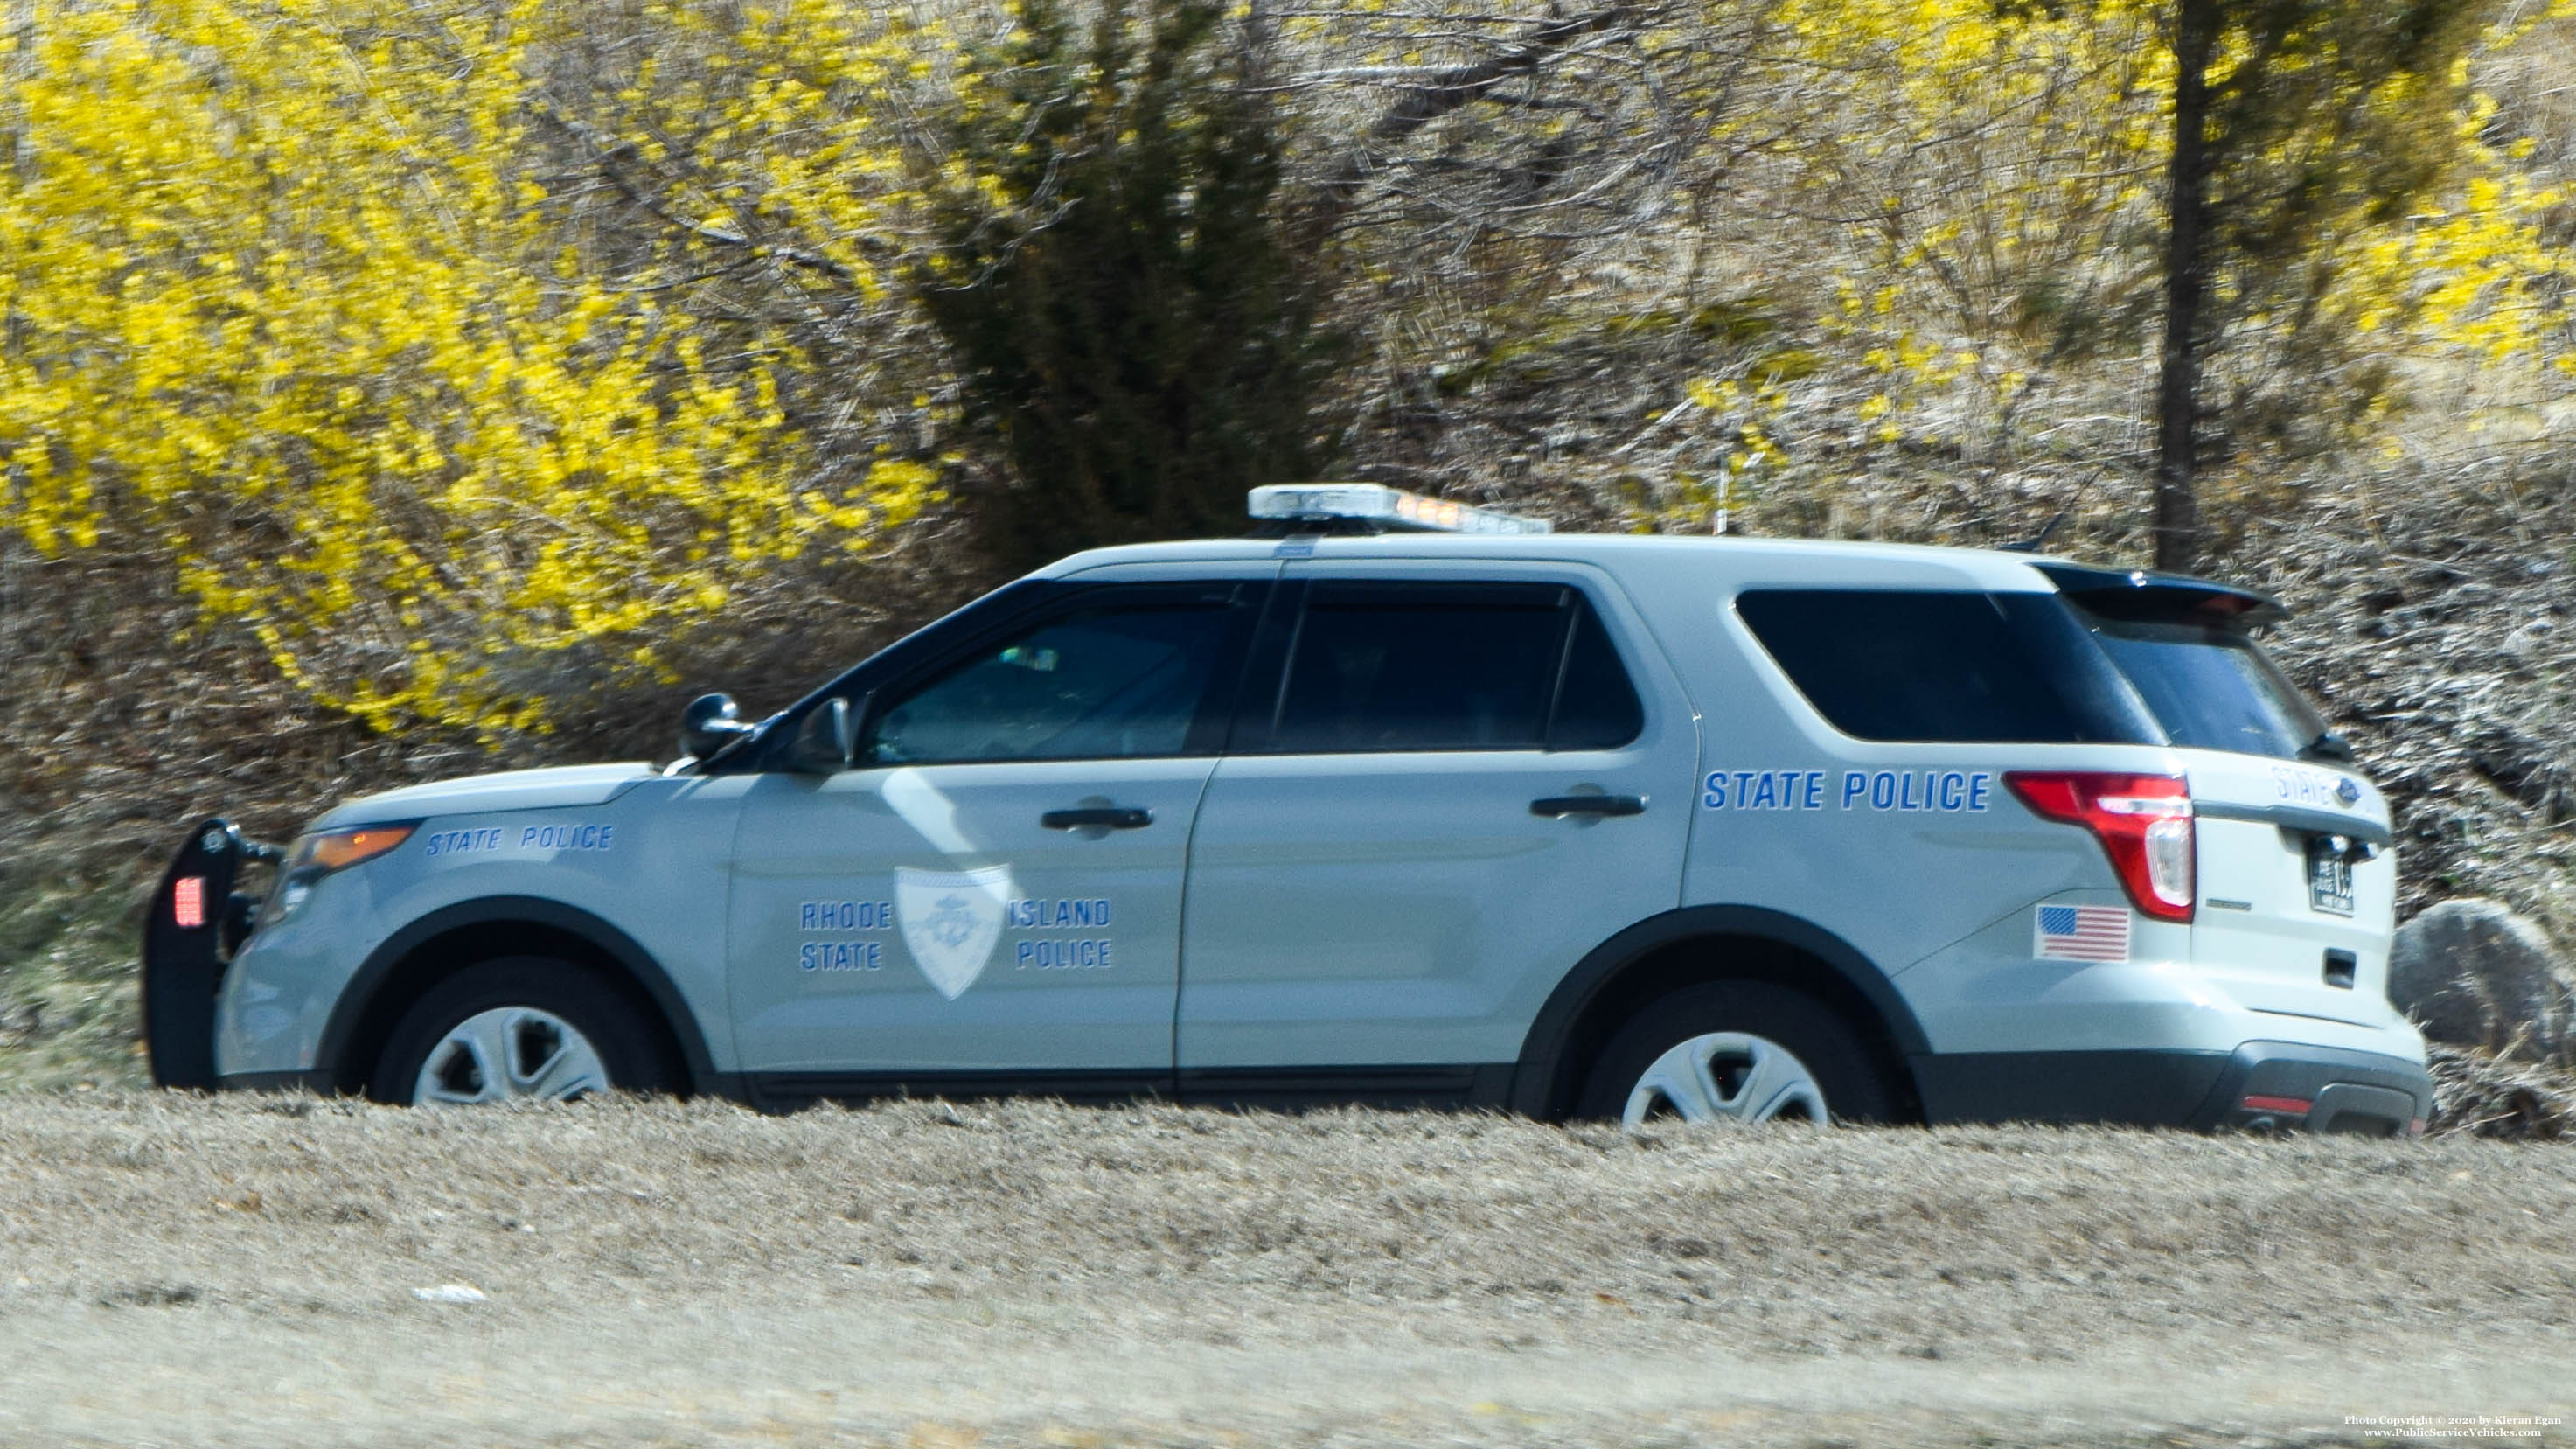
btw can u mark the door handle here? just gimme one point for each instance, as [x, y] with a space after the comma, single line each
[1111, 817]
[1557, 807]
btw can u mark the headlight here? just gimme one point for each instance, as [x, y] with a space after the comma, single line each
[315, 856]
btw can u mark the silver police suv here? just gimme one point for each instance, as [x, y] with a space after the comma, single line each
[1402, 803]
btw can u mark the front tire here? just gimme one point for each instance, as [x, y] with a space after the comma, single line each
[521, 1028]
[1735, 1051]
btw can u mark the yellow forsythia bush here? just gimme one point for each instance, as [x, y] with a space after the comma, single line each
[297, 292]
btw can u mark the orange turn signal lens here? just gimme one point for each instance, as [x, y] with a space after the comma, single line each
[341, 849]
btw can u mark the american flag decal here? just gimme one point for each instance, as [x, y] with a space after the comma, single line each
[188, 902]
[2082, 933]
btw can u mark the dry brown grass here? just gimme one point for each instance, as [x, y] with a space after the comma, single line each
[242, 1271]
[2476, 1092]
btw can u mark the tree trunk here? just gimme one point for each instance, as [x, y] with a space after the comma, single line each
[2177, 524]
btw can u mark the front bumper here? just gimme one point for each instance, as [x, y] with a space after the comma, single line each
[2262, 1085]
[194, 924]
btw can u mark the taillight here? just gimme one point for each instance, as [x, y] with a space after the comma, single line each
[2143, 822]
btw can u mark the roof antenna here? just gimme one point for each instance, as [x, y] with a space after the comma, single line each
[2032, 543]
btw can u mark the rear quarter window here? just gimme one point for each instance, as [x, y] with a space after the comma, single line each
[1947, 666]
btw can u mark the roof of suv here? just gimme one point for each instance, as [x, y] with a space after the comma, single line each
[1835, 559]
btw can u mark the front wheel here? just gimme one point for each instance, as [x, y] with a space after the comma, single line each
[1734, 1051]
[523, 1028]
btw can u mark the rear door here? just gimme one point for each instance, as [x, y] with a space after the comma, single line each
[1449, 784]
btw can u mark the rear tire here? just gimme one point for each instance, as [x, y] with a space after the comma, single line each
[1743, 1051]
[521, 1028]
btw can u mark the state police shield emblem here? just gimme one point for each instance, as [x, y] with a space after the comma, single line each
[951, 920]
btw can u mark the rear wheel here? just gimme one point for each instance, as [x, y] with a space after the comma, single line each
[1735, 1051]
[522, 1028]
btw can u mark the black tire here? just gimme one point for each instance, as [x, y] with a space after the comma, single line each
[628, 1041]
[1844, 1070]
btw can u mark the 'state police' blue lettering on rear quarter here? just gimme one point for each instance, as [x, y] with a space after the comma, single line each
[1938, 791]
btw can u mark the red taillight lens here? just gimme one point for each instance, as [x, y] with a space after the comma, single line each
[188, 903]
[2143, 822]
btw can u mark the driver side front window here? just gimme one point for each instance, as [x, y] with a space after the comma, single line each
[1110, 681]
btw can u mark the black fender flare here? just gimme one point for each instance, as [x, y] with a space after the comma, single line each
[1544, 1049]
[358, 996]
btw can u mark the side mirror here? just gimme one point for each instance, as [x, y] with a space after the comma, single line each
[710, 723]
[828, 740]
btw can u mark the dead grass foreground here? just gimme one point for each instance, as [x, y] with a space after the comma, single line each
[660, 1272]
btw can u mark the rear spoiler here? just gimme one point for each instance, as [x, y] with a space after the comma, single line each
[2138, 596]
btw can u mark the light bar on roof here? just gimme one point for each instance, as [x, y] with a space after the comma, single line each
[1387, 508]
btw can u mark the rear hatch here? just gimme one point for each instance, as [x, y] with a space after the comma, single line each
[2296, 888]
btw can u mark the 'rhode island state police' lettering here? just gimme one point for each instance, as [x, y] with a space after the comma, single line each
[845, 916]
[841, 956]
[1055, 915]
[1939, 791]
[1079, 954]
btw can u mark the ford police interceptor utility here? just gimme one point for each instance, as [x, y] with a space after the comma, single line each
[1405, 802]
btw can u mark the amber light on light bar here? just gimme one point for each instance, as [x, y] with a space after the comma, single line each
[1375, 503]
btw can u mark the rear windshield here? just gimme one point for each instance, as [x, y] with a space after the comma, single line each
[1947, 666]
[2211, 688]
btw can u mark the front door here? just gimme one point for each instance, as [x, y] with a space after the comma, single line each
[994, 889]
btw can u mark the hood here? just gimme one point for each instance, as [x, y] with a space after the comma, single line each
[550, 789]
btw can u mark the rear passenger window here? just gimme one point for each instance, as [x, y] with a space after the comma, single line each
[1441, 666]
[1947, 666]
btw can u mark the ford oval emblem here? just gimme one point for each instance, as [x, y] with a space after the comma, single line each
[2347, 792]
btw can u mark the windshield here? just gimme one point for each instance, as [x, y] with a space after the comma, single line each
[2211, 688]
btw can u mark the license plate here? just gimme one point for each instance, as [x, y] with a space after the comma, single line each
[2329, 877]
